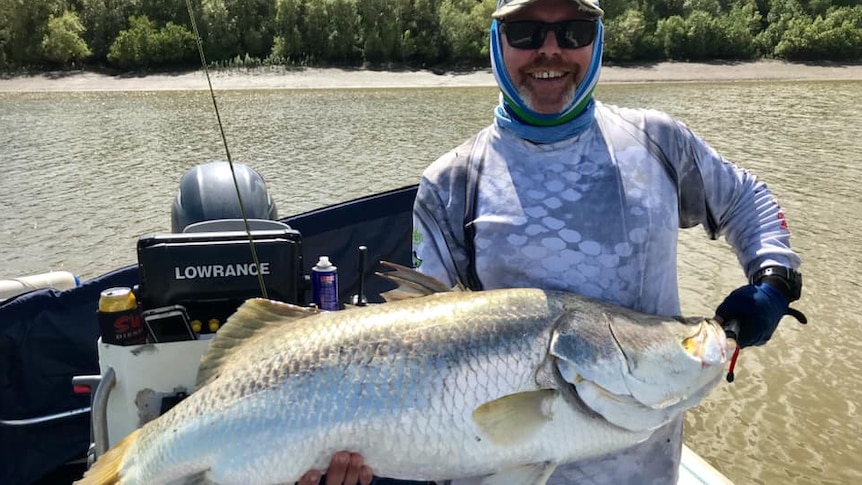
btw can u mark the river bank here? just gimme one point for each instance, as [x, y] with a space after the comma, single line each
[331, 78]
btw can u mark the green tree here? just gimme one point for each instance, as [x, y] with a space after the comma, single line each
[837, 36]
[712, 7]
[704, 36]
[144, 45]
[5, 15]
[665, 8]
[627, 38]
[174, 46]
[62, 43]
[103, 20]
[314, 30]
[254, 20]
[236, 28]
[422, 32]
[414, 32]
[26, 22]
[218, 30]
[670, 33]
[288, 43]
[464, 26]
[343, 31]
[380, 27]
[163, 11]
[615, 8]
[133, 47]
[739, 30]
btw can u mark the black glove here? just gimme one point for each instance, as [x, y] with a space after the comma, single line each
[756, 309]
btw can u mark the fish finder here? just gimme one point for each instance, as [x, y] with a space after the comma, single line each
[209, 274]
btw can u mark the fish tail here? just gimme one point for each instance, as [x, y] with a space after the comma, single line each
[106, 470]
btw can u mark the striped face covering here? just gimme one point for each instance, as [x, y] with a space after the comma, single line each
[513, 113]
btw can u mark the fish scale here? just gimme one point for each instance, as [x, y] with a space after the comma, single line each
[436, 387]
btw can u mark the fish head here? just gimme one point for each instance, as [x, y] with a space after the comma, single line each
[624, 363]
[708, 344]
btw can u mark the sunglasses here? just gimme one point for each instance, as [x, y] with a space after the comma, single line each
[530, 34]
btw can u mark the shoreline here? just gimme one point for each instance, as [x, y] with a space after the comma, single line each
[338, 78]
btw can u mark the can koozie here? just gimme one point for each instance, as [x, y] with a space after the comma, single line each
[120, 321]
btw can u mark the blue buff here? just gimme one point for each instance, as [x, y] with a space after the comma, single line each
[513, 113]
[758, 310]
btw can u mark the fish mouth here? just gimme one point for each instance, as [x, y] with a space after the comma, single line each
[709, 344]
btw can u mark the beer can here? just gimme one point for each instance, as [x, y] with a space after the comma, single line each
[120, 320]
[324, 284]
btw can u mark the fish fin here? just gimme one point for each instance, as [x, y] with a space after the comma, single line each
[253, 317]
[514, 418]
[411, 283]
[106, 470]
[532, 474]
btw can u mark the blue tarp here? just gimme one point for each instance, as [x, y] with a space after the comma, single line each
[47, 336]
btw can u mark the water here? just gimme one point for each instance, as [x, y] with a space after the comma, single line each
[84, 174]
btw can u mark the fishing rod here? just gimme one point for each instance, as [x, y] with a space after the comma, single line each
[200, 46]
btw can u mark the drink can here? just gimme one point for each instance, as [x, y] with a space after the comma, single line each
[120, 321]
[324, 284]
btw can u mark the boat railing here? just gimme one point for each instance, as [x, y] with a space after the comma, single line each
[48, 418]
[83, 382]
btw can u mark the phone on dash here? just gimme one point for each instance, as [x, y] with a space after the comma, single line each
[168, 324]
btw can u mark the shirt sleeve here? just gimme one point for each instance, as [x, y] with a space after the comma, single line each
[727, 200]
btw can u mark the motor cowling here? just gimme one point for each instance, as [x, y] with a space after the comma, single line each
[207, 192]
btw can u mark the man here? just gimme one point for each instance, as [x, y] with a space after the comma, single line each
[564, 193]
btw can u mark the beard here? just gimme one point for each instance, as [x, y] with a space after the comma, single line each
[527, 95]
[527, 91]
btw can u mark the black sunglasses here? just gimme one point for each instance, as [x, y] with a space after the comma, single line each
[530, 34]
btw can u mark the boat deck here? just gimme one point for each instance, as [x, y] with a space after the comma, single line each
[694, 470]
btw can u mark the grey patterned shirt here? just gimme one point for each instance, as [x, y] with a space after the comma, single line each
[598, 215]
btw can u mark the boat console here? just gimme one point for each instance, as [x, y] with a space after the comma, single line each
[191, 280]
[190, 283]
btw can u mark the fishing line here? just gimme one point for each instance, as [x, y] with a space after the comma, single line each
[200, 45]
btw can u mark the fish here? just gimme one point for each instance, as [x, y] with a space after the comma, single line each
[435, 383]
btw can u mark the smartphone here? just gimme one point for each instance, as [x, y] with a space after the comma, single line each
[168, 324]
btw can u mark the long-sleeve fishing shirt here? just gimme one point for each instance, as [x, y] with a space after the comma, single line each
[598, 215]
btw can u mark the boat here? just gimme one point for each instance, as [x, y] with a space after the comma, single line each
[66, 395]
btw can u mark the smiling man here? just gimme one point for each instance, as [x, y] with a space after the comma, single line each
[562, 192]
[548, 53]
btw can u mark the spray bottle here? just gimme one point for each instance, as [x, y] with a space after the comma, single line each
[324, 284]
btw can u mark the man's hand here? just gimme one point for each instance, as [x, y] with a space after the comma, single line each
[757, 309]
[345, 469]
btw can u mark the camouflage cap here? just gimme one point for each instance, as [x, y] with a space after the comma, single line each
[508, 7]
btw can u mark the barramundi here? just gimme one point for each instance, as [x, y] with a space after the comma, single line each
[505, 384]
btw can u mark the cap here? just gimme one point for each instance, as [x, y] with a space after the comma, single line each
[508, 7]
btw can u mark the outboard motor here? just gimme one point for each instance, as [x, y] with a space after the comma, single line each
[207, 192]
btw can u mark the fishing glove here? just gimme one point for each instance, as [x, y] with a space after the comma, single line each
[757, 308]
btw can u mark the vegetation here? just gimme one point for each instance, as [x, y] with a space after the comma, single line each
[156, 34]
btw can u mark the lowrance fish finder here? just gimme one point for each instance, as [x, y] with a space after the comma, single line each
[211, 273]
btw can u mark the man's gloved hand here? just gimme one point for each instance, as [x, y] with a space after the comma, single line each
[757, 309]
